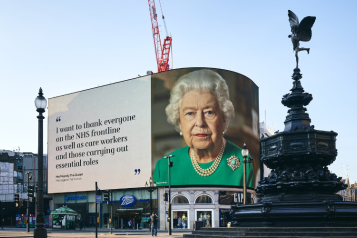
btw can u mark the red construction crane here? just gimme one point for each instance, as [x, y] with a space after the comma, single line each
[162, 53]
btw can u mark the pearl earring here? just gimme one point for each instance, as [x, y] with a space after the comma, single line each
[180, 133]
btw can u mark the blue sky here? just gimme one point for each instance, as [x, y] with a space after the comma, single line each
[67, 46]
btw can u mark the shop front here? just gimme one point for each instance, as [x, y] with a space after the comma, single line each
[196, 207]
[180, 219]
[225, 217]
[129, 219]
[204, 217]
[130, 208]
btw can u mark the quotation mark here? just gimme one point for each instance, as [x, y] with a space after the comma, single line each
[58, 119]
[137, 171]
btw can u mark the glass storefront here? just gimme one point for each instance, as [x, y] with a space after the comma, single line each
[225, 217]
[180, 219]
[132, 212]
[204, 218]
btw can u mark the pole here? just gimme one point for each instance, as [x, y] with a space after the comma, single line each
[36, 202]
[111, 211]
[245, 182]
[2, 215]
[28, 204]
[169, 195]
[168, 157]
[150, 191]
[40, 231]
[96, 214]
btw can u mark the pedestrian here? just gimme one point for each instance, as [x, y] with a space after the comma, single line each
[153, 220]
[80, 223]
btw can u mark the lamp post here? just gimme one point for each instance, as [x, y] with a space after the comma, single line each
[40, 231]
[168, 157]
[96, 207]
[28, 202]
[245, 153]
[2, 215]
[111, 211]
[150, 190]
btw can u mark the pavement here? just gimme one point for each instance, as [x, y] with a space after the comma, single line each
[90, 232]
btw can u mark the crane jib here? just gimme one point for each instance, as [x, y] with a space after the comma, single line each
[162, 53]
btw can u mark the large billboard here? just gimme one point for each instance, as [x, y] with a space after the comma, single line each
[119, 134]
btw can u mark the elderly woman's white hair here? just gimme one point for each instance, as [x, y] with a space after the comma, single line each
[204, 80]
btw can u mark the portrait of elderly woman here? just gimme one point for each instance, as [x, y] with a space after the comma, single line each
[201, 111]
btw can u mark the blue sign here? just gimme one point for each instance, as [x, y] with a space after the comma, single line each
[127, 201]
[69, 198]
[145, 200]
[98, 198]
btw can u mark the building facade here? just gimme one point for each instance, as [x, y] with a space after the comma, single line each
[208, 205]
[113, 159]
[350, 193]
[14, 166]
[130, 208]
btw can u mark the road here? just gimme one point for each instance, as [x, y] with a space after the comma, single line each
[21, 232]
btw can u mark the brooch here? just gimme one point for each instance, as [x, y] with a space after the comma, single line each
[233, 162]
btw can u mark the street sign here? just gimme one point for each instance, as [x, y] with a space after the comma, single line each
[98, 198]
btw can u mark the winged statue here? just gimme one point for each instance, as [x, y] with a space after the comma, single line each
[300, 31]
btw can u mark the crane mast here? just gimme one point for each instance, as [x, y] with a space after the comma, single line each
[162, 53]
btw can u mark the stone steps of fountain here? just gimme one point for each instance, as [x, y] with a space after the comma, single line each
[286, 232]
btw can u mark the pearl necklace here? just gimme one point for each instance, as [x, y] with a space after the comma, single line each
[212, 168]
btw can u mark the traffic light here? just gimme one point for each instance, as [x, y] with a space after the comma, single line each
[17, 200]
[166, 197]
[31, 191]
[106, 196]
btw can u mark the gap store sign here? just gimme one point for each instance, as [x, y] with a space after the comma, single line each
[72, 198]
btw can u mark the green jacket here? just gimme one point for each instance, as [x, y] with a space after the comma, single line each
[183, 172]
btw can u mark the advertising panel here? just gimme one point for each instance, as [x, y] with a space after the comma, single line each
[100, 135]
[195, 111]
[118, 134]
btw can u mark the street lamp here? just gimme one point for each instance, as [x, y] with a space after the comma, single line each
[150, 190]
[40, 231]
[245, 153]
[168, 157]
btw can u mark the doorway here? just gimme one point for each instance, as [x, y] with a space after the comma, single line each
[129, 219]
[225, 217]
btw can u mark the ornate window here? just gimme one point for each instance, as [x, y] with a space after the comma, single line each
[204, 199]
[179, 199]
